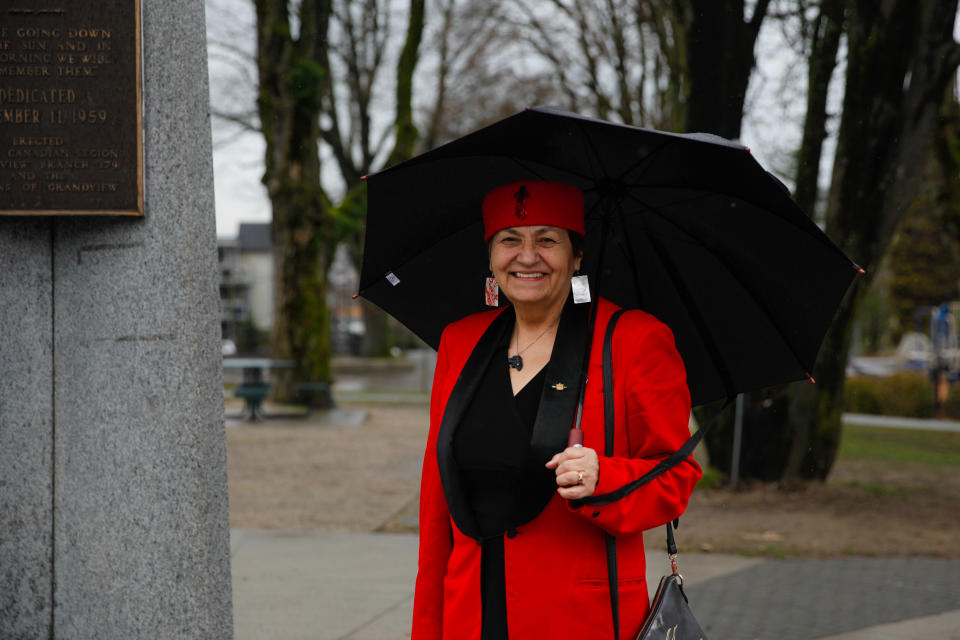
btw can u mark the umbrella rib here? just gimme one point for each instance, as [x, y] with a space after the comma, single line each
[397, 267]
[585, 178]
[821, 238]
[647, 159]
[630, 255]
[596, 162]
[689, 303]
[587, 214]
[729, 269]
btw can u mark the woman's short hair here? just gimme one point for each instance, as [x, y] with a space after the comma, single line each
[577, 241]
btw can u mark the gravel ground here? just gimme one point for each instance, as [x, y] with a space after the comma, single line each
[301, 475]
[848, 515]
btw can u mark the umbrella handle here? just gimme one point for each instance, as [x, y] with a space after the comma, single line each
[575, 439]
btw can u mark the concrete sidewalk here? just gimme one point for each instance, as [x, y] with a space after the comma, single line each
[359, 586]
[322, 586]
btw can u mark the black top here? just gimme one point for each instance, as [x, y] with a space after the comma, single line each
[505, 485]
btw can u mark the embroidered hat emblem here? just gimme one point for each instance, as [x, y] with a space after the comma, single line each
[532, 203]
[521, 195]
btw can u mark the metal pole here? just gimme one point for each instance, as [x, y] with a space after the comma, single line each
[424, 369]
[737, 438]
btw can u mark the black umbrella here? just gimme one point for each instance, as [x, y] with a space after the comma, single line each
[689, 228]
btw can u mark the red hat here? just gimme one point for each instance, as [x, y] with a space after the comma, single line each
[533, 203]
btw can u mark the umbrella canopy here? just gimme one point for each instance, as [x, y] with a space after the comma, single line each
[689, 228]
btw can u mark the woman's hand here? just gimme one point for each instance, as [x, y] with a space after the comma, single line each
[578, 470]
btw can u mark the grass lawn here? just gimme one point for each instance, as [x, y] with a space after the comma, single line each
[890, 492]
[901, 446]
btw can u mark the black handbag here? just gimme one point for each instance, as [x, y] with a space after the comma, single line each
[670, 617]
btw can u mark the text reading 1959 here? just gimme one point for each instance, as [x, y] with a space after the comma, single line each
[70, 134]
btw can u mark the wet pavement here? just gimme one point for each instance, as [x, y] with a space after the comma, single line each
[359, 586]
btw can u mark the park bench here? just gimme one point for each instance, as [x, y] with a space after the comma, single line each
[254, 389]
[253, 394]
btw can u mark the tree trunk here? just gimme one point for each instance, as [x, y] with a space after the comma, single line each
[720, 56]
[823, 60]
[405, 132]
[292, 81]
[901, 59]
[301, 330]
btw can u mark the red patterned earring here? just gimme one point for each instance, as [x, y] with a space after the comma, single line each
[491, 292]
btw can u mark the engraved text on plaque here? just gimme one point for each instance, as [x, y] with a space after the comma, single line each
[70, 107]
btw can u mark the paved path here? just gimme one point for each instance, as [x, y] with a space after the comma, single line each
[359, 586]
[322, 586]
[900, 423]
[797, 599]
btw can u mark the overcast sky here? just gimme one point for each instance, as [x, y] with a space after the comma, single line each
[771, 127]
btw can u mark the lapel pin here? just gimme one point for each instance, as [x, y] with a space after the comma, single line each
[559, 386]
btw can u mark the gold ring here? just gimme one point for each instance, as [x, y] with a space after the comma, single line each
[580, 478]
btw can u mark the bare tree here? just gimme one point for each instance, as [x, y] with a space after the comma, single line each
[670, 64]
[472, 76]
[307, 54]
[824, 37]
[813, 30]
[901, 60]
[720, 45]
[358, 66]
[293, 78]
[231, 51]
[622, 60]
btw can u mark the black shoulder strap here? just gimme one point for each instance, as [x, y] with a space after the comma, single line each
[665, 465]
[606, 498]
[608, 423]
[608, 399]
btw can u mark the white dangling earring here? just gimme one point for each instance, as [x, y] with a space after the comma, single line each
[581, 288]
[491, 292]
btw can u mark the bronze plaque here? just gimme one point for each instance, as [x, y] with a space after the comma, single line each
[70, 108]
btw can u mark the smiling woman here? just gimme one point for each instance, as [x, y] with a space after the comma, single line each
[532, 261]
[495, 522]
[533, 267]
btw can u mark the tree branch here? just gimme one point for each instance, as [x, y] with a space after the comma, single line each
[602, 102]
[245, 55]
[952, 59]
[244, 120]
[548, 48]
[405, 131]
[621, 64]
[443, 70]
[759, 13]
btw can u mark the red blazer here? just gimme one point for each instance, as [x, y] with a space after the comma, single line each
[556, 575]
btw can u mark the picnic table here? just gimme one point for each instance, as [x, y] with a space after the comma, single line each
[255, 387]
